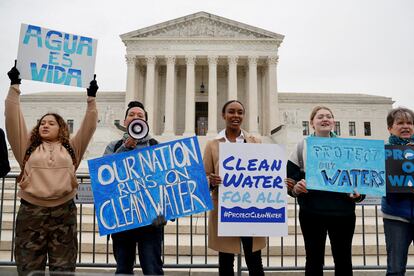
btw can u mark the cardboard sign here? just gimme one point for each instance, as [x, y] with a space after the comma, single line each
[252, 196]
[400, 169]
[55, 57]
[345, 165]
[132, 188]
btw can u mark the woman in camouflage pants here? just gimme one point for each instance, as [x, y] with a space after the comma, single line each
[48, 158]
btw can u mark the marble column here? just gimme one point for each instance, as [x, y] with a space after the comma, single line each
[272, 103]
[190, 97]
[232, 87]
[169, 126]
[252, 95]
[131, 88]
[150, 91]
[212, 96]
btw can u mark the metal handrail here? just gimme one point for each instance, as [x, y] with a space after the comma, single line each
[191, 262]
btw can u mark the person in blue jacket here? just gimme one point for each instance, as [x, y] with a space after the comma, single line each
[398, 209]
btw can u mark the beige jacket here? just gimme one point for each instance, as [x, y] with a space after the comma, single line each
[49, 175]
[211, 165]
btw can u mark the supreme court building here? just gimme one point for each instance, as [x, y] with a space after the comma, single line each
[185, 69]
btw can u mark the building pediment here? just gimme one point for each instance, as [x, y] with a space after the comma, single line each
[202, 25]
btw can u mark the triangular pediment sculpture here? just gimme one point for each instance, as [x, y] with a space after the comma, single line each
[202, 25]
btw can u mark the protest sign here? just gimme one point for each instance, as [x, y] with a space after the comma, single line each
[132, 188]
[400, 168]
[55, 57]
[252, 196]
[345, 165]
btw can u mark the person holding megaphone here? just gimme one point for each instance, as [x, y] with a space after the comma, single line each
[149, 238]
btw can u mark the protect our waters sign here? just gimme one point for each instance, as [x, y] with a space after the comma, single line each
[345, 165]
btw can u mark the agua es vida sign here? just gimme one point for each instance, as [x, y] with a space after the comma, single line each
[53, 56]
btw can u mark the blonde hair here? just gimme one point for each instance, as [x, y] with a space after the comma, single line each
[317, 108]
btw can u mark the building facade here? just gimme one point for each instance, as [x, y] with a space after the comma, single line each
[185, 69]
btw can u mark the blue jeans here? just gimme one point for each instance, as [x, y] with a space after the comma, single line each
[149, 239]
[398, 237]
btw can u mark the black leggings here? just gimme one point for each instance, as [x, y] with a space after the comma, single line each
[340, 229]
[253, 260]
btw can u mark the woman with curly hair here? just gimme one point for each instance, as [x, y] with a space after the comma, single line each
[48, 158]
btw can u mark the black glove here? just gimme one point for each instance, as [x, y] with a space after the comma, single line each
[14, 75]
[159, 221]
[93, 87]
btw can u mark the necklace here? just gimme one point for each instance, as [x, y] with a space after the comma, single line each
[51, 150]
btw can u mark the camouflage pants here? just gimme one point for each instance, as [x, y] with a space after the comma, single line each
[43, 232]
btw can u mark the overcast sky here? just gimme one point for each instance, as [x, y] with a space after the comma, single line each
[348, 46]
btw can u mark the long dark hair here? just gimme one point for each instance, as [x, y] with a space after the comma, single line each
[63, 138]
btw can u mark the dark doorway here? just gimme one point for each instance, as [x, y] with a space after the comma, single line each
[201, 119]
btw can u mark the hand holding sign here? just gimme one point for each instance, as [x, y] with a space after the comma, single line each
[159, 221]
[356, 196]
[300, 187]
[14, 74]
[93, 87]
[214, 180]
[290, 183]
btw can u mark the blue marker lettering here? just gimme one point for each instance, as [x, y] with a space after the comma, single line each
[227, 160]
[76, 74]
[57, 42]
[66, 48]
[33, 31]
[85, 42]
[38, 75]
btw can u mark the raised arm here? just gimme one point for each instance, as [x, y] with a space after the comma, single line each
[16, 129]
[83, 136]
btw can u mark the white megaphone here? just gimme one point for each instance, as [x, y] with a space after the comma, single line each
[138, 129]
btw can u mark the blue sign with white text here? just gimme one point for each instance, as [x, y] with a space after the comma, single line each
[345, 165]
[132, 188]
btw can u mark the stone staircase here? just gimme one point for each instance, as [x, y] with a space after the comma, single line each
[185, 241]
